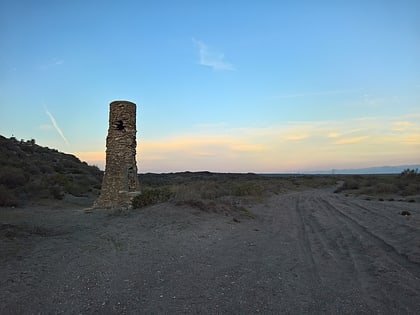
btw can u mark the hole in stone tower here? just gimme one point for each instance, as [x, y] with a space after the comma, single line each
[131, 174]
[119, 125]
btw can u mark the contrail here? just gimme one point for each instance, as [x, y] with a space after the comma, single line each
[56, 126]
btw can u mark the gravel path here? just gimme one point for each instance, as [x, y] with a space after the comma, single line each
[304, 253]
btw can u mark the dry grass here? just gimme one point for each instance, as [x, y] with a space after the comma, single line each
[228, 194]
[404, 187]
[220, 192]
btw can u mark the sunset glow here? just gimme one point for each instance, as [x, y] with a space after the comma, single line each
[227, 87]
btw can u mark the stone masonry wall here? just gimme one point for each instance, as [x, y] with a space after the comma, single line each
[120, 182]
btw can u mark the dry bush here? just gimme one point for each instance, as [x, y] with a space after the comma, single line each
[405, 184]
[12, 177]
[247, 189]
[385, 188]
[217, 189]
[7, 197]
[150, 197]
[411, 189]
[352, 184]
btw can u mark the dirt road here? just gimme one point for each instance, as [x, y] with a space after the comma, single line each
[304, 253]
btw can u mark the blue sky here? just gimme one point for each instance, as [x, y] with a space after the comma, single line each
[267, 86]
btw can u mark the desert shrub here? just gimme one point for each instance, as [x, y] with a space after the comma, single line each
[94, 170]
[409, 182]
[205, 189]
[199, 189]
[57, 179]
[33, 169]
[46, 168]
[351, 184]
[247, 189]
[151, 196]
[57, 192]
[319, 181]
[385, 188]
[213, 189]
[12, 177]
[411, 189]
[154, 180]
[76, 189]
[34, 188]
[409, 173]
[405, 184]
[246, 213]
[7, 197]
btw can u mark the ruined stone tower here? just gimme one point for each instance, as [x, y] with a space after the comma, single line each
[120, 182]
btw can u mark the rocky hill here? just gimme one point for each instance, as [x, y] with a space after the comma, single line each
[30, 173]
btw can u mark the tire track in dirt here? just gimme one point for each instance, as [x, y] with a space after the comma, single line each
[307, 252]
[350, 258]
[385, 221]
[330, 240]
[385, 275]
[304, 241]
[390, 250]
[353, 267]
[329, 279]
[337, 261]
[381, 214]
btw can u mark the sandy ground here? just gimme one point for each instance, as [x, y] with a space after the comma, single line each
[304, 253]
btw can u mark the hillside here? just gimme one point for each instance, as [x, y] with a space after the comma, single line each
[29, 172]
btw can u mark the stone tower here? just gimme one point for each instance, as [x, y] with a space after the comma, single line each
[120, 182]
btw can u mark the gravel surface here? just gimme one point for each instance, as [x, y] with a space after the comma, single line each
[303, 253]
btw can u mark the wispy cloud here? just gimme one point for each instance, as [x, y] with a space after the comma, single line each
[351, 140]
[52, 63]
[210, 58]
[296, 137]
[333, 134]
[402, 126]
[56, 126]
[320, 93]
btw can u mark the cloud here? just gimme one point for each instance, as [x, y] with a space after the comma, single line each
[333, 134]
[320, 93]
[289, 147]
[351, 140]
[46, 127]
[249, 147]
[402, 126]
[212, 59]
[296, 137]
[405, 139]
[52, 63]
[93, 158]
[200, 152]
[56, 126]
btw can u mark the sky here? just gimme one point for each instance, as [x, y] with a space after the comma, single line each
[226, 86]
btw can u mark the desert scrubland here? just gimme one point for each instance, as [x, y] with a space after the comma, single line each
[220, 243]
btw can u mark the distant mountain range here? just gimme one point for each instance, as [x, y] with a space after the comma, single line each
[396, 169]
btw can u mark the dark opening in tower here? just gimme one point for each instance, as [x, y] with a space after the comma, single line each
[119, 125]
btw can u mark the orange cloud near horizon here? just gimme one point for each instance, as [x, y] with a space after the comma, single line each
[291, 148]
